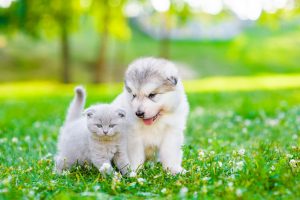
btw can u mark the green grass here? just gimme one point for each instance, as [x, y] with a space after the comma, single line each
[265, 122]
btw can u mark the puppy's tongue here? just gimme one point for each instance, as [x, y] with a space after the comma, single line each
[148, 122]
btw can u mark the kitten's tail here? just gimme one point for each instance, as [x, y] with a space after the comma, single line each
[77, 105]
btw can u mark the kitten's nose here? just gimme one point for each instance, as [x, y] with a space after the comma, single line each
[105, 132]
[140, 114]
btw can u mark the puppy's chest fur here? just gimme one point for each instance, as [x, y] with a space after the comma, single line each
[152, 136]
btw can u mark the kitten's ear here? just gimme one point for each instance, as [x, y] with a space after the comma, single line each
[89, 112]
[121, 113]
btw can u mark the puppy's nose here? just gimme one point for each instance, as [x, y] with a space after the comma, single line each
[140, 114]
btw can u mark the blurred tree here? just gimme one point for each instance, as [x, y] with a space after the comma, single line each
[60, 18]
[110, 21]
[55, 17]
[274, 20]
[177, 14]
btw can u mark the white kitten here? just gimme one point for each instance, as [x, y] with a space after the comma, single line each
[98, 137]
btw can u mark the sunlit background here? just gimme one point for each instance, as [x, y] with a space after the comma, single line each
[92, 41]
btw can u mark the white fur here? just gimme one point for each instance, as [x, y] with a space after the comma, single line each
[81, 140]
[166, 133]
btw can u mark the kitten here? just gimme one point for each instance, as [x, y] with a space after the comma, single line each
[98, 137]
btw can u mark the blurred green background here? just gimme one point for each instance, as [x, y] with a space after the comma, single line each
[92, 41]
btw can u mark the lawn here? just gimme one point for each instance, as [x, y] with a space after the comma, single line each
[242, 141]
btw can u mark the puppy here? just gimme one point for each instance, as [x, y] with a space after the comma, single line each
[157, 108]
[98, 137]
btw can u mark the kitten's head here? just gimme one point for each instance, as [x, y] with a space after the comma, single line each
[105, 119]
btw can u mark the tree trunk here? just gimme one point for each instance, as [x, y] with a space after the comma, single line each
[100, 71]
[65, 54]
[164, 43]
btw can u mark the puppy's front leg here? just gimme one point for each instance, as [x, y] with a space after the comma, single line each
[136, 153]
[170, 152]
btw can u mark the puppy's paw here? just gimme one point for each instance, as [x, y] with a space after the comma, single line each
[106, 169]
[176, 170]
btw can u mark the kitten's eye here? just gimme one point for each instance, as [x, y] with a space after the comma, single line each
[151, 96]
[111, 125]
[99, 125]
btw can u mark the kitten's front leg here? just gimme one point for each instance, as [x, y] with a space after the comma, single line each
[121, 161]
[103, 165]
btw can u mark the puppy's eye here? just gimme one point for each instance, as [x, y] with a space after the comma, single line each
[151, 96]
[112, 125]
[99, 125]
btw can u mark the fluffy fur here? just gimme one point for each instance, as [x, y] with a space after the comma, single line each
[98, 137]
[157, 108]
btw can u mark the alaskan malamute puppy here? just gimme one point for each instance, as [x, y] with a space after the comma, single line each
[157, 107]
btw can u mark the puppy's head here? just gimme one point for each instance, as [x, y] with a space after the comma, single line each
[151, 87]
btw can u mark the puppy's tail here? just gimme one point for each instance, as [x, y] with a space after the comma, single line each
[77, 105]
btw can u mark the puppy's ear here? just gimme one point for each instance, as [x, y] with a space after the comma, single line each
[173, 80]
[121, 113]
[127, 88]
[89, 112]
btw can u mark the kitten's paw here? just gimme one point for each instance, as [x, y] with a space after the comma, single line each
[106, 168]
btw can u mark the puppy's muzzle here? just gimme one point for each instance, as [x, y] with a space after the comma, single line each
[140, 114]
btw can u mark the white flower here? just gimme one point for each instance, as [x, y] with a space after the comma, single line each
[65, 172]
[240, 165]
[220, 163]
[294, 163]
[204, 189]
[132, 174]
[7, 180]
[14, 140]
[164, 190]
[183, 191]
[141, 180]
[272, 168]
[230, 186]
[4, 190]
[206, 178]
[195, 195]
[272, 122]
[295, 136]
[201, 153]
[97, 187]
[27, 138]
[241, 152]
[239, 192]
[247, 122]
[289, 155]
[3, 140]
[211, 153]
[199, 111]
[219, 183]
